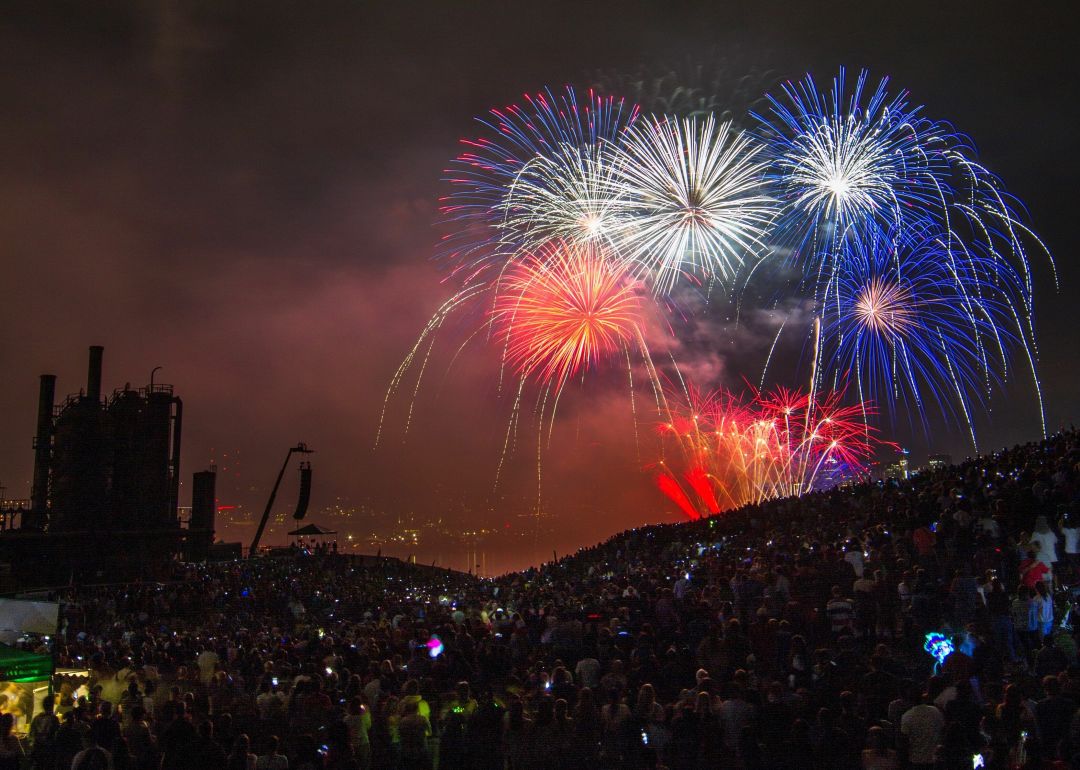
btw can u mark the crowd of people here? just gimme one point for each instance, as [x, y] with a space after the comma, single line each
[792, 634]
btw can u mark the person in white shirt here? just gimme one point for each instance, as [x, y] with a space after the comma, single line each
[682, 586]
[588, 672]
[921, 728]
[270, 703]
[1070, 532]
[853, 555]
[207, 663]
[1047, 541]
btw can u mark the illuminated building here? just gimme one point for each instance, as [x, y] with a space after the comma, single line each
[937, 462]
[899, 469]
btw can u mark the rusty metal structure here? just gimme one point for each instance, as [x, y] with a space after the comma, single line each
[104, 495]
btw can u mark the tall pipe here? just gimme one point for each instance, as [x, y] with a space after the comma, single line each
[174, 461]
[93, 376]
[43, 448]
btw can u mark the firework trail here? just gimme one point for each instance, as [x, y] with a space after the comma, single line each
[669, 485]
[422, 353]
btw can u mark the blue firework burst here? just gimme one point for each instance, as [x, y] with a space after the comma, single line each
[915, 320]
[867, 160]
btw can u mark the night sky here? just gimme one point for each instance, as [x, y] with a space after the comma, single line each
[246, 193]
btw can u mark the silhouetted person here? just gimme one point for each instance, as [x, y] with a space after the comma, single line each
[209, 755]
[178, 740]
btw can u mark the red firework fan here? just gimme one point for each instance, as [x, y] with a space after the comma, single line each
[735, 452]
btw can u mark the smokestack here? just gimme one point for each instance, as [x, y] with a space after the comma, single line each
[43, 446]
[93, 377]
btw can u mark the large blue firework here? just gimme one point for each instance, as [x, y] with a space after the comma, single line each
[540, 172]
[914, 319]
[866, 160]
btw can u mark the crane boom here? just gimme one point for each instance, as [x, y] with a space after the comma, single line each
[300, 448]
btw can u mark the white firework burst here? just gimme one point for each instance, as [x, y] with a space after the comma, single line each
[698, 201]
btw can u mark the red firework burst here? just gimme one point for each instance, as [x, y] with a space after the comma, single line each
[564, 309]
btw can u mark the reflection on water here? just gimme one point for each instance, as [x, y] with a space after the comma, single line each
[484, 551]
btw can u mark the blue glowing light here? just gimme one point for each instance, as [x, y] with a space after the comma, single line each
[939, 647]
